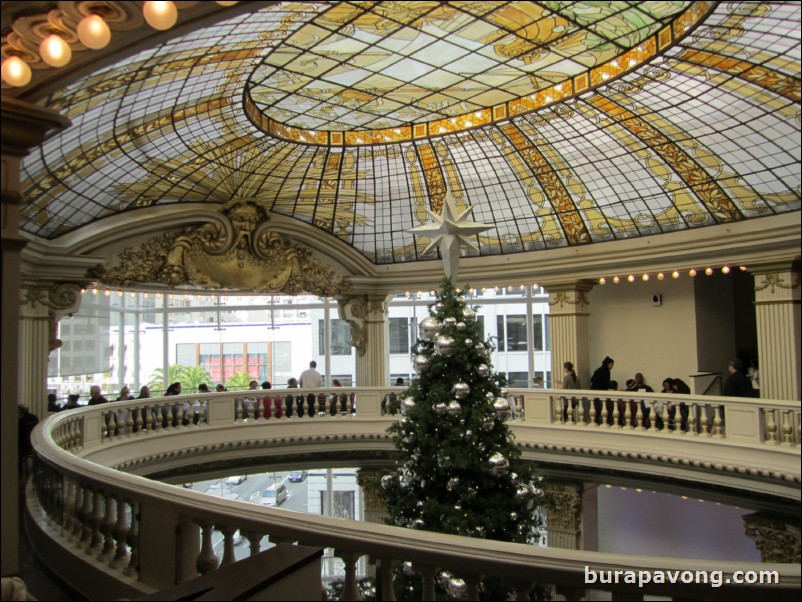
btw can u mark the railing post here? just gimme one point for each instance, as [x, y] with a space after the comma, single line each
[350, 588]
[386, 566]
[207, 559]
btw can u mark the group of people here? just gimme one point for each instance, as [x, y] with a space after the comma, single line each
[667, 414]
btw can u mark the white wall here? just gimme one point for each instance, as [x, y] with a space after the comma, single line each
[659, 341]
[660, 524]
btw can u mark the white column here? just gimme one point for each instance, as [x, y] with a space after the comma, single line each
[777, 306]
[41, 309]
[569, 317]
[367, 316]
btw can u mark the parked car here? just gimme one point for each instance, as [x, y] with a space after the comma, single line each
[236, 480]
[296, 476]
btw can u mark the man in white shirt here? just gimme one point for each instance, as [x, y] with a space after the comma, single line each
[309, 379]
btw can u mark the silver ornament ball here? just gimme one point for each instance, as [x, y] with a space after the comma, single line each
[483, 370]
[454, 408]
[444, 345]
[461, 390]
[406, 405]
[428, 328]
[498, 464]
[420, 363]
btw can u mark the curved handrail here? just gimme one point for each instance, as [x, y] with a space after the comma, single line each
[113, 514]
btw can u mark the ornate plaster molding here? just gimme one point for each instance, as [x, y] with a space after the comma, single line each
[777, 541]
[358, 311]
[776, 281]
[564, 513]
[59, 300]
[239, 252]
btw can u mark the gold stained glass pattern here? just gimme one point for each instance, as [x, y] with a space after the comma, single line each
[703, 128]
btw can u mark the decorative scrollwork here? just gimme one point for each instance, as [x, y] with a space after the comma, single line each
[240, 253]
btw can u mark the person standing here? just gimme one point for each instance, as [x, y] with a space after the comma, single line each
[738, 383]
[570, 381]
[600, 381]
[309, 379]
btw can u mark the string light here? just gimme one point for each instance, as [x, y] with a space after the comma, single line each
[709, 271]
[93, 32]
[160, 15]
[725, 269]
[691, 272]
[675, 274]
[743, 268]
[660, 275]
[602, 280]
[630, 278]
[15, 72]
[645, 277]
[55, 51]
[616, 280]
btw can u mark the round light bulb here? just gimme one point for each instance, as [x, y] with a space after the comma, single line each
[93, 32]
[616, 280]
[675, 274]
[631, 278]
[691, 272]
[227, 3]
[645, 277]
[16, 72]
[725, 269]
[660, 275]
[709, 271]
[602, 280]
[55, 51]
[160, 15]
[743, 268]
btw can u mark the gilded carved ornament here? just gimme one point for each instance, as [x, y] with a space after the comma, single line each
[776, 541]
[241, 253]
[564, 509]
[357, 312]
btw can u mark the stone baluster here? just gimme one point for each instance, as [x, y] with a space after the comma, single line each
[580, 408]
[129, 420]
[718, 422]
[238, 409]
[571, 414]
[387, 592]
[703, 421]
[86, 516]
[132, 539]
[628, 414]
[557, 408]
[428, 576]
[787, 429]
[120, 533]
[592, 413]
[207, 559]
[95, 523]
[78, 521]
[692, 408]
[254, 541]
[228, 545]
[616, 414]
[350, 588]
[68, 518]
[522, 589]
[472, 590]
[107, 529]
[771, 426]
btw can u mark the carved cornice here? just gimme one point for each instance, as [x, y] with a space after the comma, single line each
[240, 252]
[564, 510]
[359, 311]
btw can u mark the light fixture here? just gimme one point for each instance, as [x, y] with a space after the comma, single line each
[743, 268]
[709, 271]
[630, 278]
[227, 3]
[675, 274]
[616, 280]
[660, 275]
[645, 277]
[691, 272]
[93, 32]
[160, 15]
[107, 292]
[725, 269]
[602, 280]
[55, 51]
[16, 72]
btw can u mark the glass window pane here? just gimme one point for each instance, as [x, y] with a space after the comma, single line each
[399, 335]
[516, 333]
[537, 332]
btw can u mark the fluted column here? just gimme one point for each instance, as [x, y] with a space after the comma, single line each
[40, 310]
[569, 317]
[367, 316]
[777, 306]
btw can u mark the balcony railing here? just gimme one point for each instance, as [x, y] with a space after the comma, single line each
[88, 509]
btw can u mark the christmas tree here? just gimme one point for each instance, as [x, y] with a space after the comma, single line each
[458, 469]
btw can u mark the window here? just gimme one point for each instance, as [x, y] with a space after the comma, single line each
[537, 334]
[399, 335]
[340, 338]
[511, 333]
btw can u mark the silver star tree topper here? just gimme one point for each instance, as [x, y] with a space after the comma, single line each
[449, 232]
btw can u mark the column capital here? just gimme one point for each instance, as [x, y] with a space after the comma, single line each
[50, 300]
[582, 285]
[777, 541]
[360, 310]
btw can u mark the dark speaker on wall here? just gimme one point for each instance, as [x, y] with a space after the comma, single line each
[657, 300]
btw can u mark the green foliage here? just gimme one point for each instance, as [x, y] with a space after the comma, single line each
[445, 480]
[189, 377]
[238, 381]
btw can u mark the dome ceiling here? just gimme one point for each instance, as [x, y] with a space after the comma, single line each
[561, 123]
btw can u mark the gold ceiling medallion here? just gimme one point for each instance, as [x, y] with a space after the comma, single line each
[240, 254]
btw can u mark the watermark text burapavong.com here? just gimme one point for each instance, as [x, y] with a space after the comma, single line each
[661, 577]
